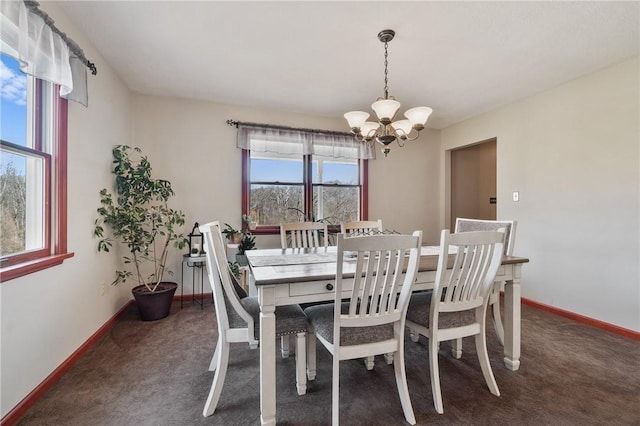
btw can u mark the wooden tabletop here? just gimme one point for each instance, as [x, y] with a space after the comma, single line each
[279, 266]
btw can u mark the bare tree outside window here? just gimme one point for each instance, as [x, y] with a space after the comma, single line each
[13, 195]
[277, 189]
[272, 204]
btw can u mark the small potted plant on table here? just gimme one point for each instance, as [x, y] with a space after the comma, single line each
[243, 238]
[233, 235]
[139, 217]
[248, 242]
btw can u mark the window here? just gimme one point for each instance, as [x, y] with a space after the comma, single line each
[32, 173]
[285, 182]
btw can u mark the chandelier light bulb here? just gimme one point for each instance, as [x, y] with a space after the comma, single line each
[402, 128]
[368, 129]
[418, 116]
[356, 118]
[385, 109]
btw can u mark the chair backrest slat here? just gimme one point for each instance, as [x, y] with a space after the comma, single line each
[303, 235]
[477, 259]
[380, 280]
[384, 272]
[360, 227]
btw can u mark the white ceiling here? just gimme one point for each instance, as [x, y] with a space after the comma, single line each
[324, 58]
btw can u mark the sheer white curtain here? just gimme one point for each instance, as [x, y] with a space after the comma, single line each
[41, 51]
[302, 142]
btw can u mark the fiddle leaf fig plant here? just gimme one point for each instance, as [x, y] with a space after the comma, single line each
[138, 216]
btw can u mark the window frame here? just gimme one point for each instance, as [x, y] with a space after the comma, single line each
[308, 185]
[55, 232]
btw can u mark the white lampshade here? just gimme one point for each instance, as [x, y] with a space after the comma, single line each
[368, 128]
[356, 118]
[385, 108]
[418, 115]
[404, 127]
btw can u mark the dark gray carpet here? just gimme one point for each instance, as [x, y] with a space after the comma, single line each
[155, 373]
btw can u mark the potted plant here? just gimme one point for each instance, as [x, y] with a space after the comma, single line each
[248, 242]
[233, 235]
[251, 222]
[139, 217]
[234, 267]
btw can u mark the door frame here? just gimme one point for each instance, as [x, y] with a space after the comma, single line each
[447, 178]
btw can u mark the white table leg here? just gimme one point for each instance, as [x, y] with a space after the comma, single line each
[512, 321]
[266, 297]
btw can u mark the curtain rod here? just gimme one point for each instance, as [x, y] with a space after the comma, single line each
[236, 124]
[73, 46]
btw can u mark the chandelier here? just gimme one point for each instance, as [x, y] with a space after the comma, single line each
[385, 130]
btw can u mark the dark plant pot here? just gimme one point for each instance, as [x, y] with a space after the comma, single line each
[242, 259]
[154, 305]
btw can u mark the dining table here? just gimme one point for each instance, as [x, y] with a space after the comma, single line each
[290, 276]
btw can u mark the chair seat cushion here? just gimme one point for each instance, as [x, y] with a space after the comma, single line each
[321, 319]
[420, 307]
[290, 319]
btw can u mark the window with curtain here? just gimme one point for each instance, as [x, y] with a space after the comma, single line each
[33, 159]
[41, 68]
[294, 175]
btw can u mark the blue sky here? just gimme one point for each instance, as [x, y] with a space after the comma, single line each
[13, 111]
[13, 101]
[291, 171]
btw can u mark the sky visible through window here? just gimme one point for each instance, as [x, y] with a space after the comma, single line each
[263, 170]
[13, 102]
[13, 111]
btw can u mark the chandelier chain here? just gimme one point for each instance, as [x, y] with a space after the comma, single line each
[386, 71]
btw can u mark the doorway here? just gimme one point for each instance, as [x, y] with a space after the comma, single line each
[473, 181]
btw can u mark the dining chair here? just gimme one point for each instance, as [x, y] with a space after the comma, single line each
[303, 234]
[457, 306]
[360, 227]
[238, 319]
[371, 321]
[466, 225]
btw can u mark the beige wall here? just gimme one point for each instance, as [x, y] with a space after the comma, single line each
[403, 187]
[573, 154]
[47, 315]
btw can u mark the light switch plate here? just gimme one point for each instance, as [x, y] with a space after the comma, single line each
[516, 196]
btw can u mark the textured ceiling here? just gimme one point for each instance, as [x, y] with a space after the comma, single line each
[323, 58]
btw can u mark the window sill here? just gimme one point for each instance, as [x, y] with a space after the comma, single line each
[26, 268]
[266, 230]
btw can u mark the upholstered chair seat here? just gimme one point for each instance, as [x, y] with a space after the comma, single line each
[290, 319]
[420, 307]
[321, 320]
